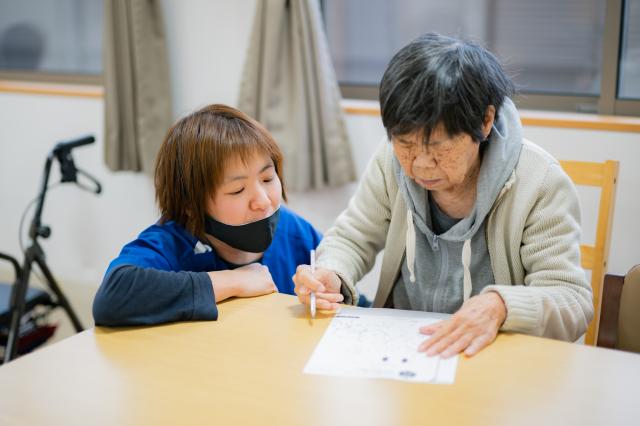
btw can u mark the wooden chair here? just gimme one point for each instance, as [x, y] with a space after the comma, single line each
[595, 257]
[620, 316]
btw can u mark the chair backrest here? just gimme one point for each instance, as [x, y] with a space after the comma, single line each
[629, 313]
[595, 256]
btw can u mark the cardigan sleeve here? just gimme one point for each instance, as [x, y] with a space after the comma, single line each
[350, 247]
[556, 298]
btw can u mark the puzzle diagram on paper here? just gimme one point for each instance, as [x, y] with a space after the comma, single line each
[374, 346]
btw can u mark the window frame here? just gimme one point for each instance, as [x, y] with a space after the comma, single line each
[44, 77]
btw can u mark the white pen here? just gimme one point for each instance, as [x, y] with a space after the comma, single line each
[312, 301]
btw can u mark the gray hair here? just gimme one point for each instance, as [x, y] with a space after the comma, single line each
[438, 79]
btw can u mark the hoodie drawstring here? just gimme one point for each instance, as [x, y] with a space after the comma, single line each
[466, 262]
[411, 247]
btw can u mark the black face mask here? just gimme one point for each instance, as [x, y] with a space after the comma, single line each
[254, 237]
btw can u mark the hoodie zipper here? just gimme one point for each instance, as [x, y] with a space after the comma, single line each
[435, 246]
[444, 272]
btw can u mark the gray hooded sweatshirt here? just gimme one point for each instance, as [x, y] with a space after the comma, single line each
[447, 260]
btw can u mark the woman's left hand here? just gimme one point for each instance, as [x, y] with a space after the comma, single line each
[471, 329]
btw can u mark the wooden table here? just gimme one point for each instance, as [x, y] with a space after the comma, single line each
[246, 368]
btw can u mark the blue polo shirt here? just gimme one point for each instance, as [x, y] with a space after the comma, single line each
[162, 275]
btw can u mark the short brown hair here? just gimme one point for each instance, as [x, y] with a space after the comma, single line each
[191, 161]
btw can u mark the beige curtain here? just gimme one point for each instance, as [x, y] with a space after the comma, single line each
[136, 83]
[289, 85]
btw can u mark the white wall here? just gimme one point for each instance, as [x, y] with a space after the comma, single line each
[207, 41]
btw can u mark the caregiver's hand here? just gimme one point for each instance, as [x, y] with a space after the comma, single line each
[325, 283]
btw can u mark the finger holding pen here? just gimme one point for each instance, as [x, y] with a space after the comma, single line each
[323, 282]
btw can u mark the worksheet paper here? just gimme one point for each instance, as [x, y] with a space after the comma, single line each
[380, 343]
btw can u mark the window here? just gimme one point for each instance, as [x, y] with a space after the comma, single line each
[630, 57]
[53, 40]
[554, 49]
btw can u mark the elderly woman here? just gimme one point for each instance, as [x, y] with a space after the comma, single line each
[474, 219]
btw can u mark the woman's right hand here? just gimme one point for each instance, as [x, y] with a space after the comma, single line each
[247, 281]
[324, 282]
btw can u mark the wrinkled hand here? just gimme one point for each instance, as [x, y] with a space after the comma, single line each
[325, 283]
[247, 281]
[471, 329]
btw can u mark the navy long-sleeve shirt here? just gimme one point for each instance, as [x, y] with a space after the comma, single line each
[162, 275]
